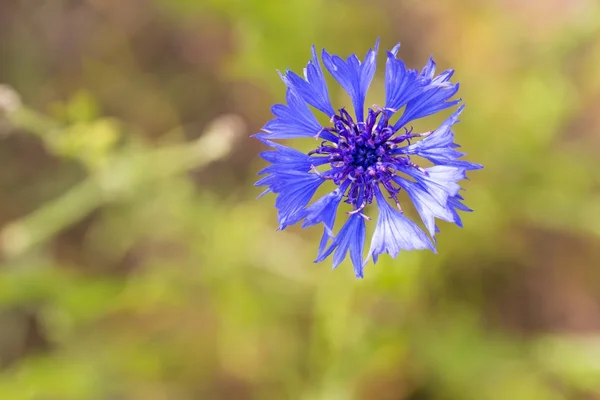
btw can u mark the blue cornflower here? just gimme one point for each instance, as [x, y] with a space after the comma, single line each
[369, 157]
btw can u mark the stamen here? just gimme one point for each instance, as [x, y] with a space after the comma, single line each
[346, 118]
[366, 217]
[424, 134]
[316, 171]
[380, 109]
[362, 206]
[325, 129]
[399, 206]
[412, 164]
[393, 196]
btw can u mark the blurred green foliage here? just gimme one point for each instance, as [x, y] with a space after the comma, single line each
[137, 264]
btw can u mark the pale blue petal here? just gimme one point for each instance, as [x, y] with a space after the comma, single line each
[439, 181]
[428, 207]
[439, 146]
[394, 232]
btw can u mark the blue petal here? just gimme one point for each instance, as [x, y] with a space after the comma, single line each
[266, 191]
[324, 210]
[351, 237]
[433, 97]
[427, 206]
[295, 190]
[445, 177]
[439, 146]
[286, 158]
[292, 121]
[455, 201]
[439, 181]
[354, 76]
[428, 70]
[395, 232]
[313, 88]
[283, 160]
[401, 84]
[454, 204]
[323, 243]
[441, 137]
[430, 101]
[442, 80]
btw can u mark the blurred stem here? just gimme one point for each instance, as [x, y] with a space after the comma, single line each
[17, 237]
[119, 179]
[330, 338]
[32, 122]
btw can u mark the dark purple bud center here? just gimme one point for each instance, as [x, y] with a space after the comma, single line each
[362, 157]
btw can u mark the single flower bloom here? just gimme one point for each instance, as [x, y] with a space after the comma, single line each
[368, 157]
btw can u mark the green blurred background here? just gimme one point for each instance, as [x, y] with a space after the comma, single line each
[135, 262]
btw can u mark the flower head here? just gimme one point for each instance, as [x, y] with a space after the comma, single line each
[369, 156]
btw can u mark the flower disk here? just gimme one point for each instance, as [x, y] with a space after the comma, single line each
[369, 159]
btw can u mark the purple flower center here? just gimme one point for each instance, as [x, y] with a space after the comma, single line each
[363, 156]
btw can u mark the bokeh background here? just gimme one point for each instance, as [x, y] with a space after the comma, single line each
[135, 262]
